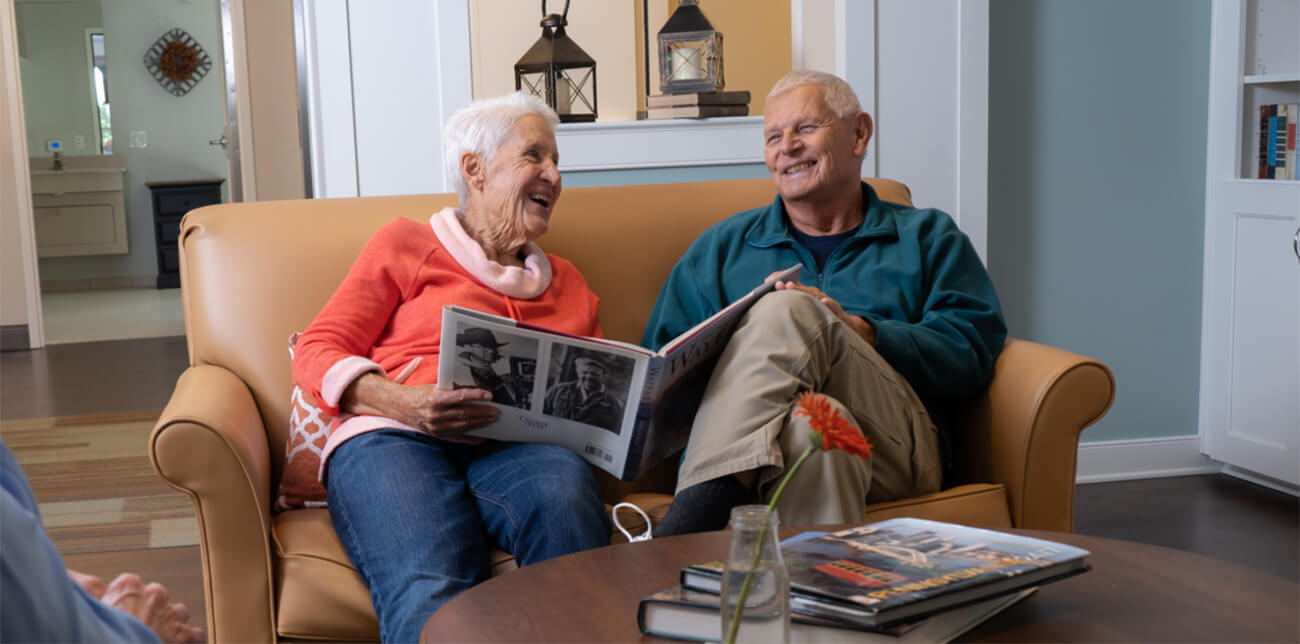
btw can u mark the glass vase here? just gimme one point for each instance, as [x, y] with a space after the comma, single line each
[755, 549]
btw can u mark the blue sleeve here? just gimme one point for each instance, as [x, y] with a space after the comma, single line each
[949, 353]
[40, 603]
[681, 305]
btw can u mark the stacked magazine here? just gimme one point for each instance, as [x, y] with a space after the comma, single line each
[908, 579]
[622, 407]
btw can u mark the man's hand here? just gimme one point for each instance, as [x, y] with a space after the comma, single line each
[89, 583]
[859, 325]
[152, 605]
[441, 413]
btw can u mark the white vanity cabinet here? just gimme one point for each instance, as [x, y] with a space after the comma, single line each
[79, 210]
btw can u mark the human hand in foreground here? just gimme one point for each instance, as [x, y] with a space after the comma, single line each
[89, 583]
[150, 604]
[444, 414]
[859, 325]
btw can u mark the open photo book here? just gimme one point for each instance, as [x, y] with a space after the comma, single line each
[622, 407]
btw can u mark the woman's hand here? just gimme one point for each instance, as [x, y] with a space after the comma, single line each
[441, 413]
[859, 325]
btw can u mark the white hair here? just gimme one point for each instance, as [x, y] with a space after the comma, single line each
[481, 127]
[837, 93]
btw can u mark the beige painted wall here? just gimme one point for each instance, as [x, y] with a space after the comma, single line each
[273, 98]
[756, 45]
[502, 30]
[13, 293]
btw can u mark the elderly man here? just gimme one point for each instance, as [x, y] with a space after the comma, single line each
[585, 399]
[896, 321]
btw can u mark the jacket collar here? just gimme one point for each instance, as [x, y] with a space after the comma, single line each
[772, 228]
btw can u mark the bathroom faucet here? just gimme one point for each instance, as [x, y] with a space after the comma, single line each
[58, 160]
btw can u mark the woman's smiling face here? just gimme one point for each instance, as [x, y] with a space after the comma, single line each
[521, 183]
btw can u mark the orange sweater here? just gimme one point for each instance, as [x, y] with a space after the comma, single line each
[388, 310]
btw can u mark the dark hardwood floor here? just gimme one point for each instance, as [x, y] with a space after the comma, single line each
[90, 377]
[1214, 515]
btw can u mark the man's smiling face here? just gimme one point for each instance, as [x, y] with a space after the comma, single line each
[810, 150]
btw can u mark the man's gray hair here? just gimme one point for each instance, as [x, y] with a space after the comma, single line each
[837, 93]
[481, 128]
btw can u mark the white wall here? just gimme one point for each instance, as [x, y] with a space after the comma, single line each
[927, 91]
[56, 76]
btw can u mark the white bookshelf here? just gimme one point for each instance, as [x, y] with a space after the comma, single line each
[1250, 314]
[1268, 71]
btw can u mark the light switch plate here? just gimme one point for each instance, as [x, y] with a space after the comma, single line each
[139, 139]
[79, 141]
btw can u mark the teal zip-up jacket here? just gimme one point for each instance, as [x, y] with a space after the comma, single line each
[910, 272]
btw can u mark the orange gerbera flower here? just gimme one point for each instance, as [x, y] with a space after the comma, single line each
[830, 429]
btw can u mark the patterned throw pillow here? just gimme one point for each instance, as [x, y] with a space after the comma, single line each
[308, 429]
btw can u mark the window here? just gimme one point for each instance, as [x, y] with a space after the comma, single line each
[99, 90]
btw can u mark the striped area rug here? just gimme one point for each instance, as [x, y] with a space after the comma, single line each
[96, 489]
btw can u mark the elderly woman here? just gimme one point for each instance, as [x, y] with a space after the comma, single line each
[415, 501]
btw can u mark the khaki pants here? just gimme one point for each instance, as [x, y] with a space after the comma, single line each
[786, 344]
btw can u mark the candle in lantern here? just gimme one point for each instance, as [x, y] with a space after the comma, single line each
[684, 65]
[563, 95]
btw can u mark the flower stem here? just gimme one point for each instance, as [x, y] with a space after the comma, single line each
[758, 547]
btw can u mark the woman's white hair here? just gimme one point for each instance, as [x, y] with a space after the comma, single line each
[837, 93]
[481, 127]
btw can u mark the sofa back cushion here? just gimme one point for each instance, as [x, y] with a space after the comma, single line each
[254, 273]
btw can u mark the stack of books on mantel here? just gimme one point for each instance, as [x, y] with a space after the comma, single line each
[901, 580]
[697, 105]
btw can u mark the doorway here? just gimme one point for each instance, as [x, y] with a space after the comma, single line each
[120, 124]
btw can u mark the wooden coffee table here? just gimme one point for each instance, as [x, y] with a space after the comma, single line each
[1134, 593]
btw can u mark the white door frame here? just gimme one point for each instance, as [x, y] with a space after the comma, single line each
[11, 82]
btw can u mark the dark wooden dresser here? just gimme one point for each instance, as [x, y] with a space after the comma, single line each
[171, 200]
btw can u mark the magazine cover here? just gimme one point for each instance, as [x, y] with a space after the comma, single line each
[904, 567]
[622, 407]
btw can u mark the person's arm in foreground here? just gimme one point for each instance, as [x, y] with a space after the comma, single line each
[41, 602]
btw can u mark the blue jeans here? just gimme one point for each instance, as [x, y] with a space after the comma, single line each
[418, 515]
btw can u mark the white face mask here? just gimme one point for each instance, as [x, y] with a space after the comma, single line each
[643, 537]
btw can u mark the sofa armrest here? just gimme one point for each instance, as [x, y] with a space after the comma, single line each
[211, 444]
[1023, 432]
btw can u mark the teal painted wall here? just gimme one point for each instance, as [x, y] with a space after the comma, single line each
[1097, 143]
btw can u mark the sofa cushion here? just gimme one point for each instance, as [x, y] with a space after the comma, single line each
[978, 504]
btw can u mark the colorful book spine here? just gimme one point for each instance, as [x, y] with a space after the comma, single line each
[1292, 164]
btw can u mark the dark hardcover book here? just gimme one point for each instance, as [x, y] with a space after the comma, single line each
[696, 111]
[686, 614]
[735, 97]
[903, 569]
[1263, 142]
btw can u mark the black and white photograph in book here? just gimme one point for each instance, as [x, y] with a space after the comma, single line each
[501, 363]
[587, 386]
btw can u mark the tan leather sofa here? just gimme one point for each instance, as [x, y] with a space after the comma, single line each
[253, 273]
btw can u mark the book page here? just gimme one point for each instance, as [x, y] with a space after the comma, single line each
[550, 387]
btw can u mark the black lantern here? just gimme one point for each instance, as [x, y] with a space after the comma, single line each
[690, 52]
[556, 70]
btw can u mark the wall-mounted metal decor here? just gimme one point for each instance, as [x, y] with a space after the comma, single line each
[177, 62]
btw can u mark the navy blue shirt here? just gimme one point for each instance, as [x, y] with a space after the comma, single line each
[821, 246]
